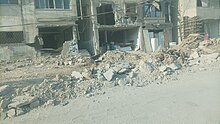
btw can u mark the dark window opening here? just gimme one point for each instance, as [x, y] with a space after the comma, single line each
[152, 9]
[131, 8]
[105, 15]
[199, 3]
[117, 39]
[8, 1]
[52, 4]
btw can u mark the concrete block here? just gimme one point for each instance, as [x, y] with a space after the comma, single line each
[162, 68]
[35, 104]
[109, 74]
[77, 75]
[11, 113]
[21, 101]
[175, 66]
[194, 55]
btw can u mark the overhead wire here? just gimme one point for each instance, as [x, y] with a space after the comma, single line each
[78, 17]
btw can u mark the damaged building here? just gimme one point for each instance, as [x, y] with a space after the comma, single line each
[25, 22]
[95, 25]
[200, 16]
[124, 24]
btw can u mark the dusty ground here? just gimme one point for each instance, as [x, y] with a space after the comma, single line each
[194, 98]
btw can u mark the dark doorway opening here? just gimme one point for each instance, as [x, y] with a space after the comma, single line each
[54, 37]
[105, 15]
[113, 39]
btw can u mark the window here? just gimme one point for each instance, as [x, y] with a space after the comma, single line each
[52, 4]
[8, 1]
[152, 9]
[199, 3]
[131, 8]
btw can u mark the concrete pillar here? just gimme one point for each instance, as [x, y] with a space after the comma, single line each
[94, 28]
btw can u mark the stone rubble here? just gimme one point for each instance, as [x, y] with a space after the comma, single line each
[114, 68]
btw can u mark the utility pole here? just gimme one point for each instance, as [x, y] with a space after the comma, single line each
[22, 19]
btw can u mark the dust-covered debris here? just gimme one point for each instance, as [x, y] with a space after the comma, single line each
[114, 68]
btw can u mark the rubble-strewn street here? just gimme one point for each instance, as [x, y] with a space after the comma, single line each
[109, 61]
[51, 81]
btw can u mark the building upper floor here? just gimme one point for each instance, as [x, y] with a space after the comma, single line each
[111, 12]
[38, 9]
[205, 9]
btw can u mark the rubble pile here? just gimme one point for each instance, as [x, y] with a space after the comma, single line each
[20, 100]
[114, 68]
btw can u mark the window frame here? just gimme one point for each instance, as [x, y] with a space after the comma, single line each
[48, 5]
[10, 2]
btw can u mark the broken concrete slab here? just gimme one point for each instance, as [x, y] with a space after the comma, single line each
[162, 68]
[146, 67]
[35, 104]
[211, 56]
[4, 103]
[21, 101]
[70, 48]
[123, 71]
[175, 66]
[5, 90]
[194, 55]
[77, 75]
[109, 74]
[122, 82]
[87, 75]
[11, 113]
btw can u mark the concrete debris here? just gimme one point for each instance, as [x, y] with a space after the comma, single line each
[162, 68]
[77, 75]
[175, 66]
[21, 101]
[5, 90]
[11, 113]
[109, 74]
[4, 103]
[114, 68]
[146, 67]
[194, 55]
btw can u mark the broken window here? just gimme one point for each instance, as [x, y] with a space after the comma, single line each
[202, 3]
[52, 4]
[105, 15]
[131, 8]
[199, 3]
[152, 9]
[8, 1]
